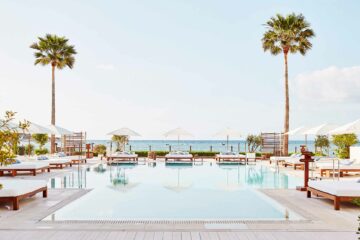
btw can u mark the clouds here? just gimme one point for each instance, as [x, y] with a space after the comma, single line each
[332, 84]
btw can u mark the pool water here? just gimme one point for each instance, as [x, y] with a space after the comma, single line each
[175, 191]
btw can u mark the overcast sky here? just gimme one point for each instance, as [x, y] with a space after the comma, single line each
[156, 65]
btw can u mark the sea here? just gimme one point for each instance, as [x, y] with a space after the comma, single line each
[194, 145]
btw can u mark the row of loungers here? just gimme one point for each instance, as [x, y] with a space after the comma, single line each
[183, 156]
[325, 166]
[37, 166]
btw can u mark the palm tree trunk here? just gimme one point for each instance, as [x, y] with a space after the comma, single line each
[53, 107]
[287, 108]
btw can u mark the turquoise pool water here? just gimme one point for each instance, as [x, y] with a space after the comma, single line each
[175, 191]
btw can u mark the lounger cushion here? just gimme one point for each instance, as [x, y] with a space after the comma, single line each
[337, 188]
[26, 165]
[57, 161]
[179, 155]
[13, 188]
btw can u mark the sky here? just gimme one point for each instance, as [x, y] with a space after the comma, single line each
[156, 65]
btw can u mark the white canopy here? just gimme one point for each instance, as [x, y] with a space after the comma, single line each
[322, 129]
[37, 129]
[59, 131]
[228, 132]
[124, 132]
[353, 127]
[178, 132]
[298, 131]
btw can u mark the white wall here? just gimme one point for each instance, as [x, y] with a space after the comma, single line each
[355, 153]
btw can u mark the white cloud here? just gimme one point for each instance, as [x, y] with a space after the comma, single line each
[332, 84]
[105, 66]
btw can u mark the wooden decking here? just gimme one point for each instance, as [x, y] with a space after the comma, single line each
[165, 235]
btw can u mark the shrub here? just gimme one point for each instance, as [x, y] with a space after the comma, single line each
[9, 138]
[21, 150]
[343, 143]
[41, 139]
[41, 151]
[253, 142]
[99, 149]
[321, 141]
[29, 148]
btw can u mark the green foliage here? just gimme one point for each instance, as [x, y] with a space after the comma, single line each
[289, 33]
[120, 140]
[54, 50]
[322, 142]
[29, 149]
[100, 149]
[9, 137]
[253, 142]
[343, 143]
[41, 151]
[21, 150]
[41, 139]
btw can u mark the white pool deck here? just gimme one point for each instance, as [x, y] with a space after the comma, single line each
[321, 221]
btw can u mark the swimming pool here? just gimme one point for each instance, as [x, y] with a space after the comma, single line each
[174, 191]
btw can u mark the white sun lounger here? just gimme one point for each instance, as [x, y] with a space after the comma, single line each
[58, 162]
[32, 167]
[338, 191]
[179, 157]
[123, 157]
[230, 157]
[15, 190]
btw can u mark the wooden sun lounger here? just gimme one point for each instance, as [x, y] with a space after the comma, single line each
[78, 160]
[230, 159]
[15, 197]
[33, 171]
[60, 165]
[330, 193]
[328, 171]
[294, 165]
[122, 158]
[180, 158]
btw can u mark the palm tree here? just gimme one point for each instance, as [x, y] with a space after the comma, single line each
[292, 34]
[56, 51]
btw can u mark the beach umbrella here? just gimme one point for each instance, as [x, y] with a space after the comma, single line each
[228, 132]
[179, 185]
[59, 131]
[299, 131]
[352, 127]
[322, 129]
[36, 129]
[178, 133]
[124, 132]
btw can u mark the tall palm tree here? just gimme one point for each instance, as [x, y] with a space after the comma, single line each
[56, 51]
[292, 34]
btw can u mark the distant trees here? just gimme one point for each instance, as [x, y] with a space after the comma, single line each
[253, 142]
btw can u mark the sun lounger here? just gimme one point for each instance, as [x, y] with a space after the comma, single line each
[123, 156]
[338, 191]
[77, 159]
[251, 157]
[56, 162]
[179, 156]
[230, 157]
[15, 190]
[32, 167]
[294, 162]
[278, 159]
[329, 166]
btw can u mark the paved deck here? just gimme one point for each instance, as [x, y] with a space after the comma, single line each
[320, 221]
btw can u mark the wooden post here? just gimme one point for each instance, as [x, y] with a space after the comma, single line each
[306, 160]
[190, 148]
[210, 148]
